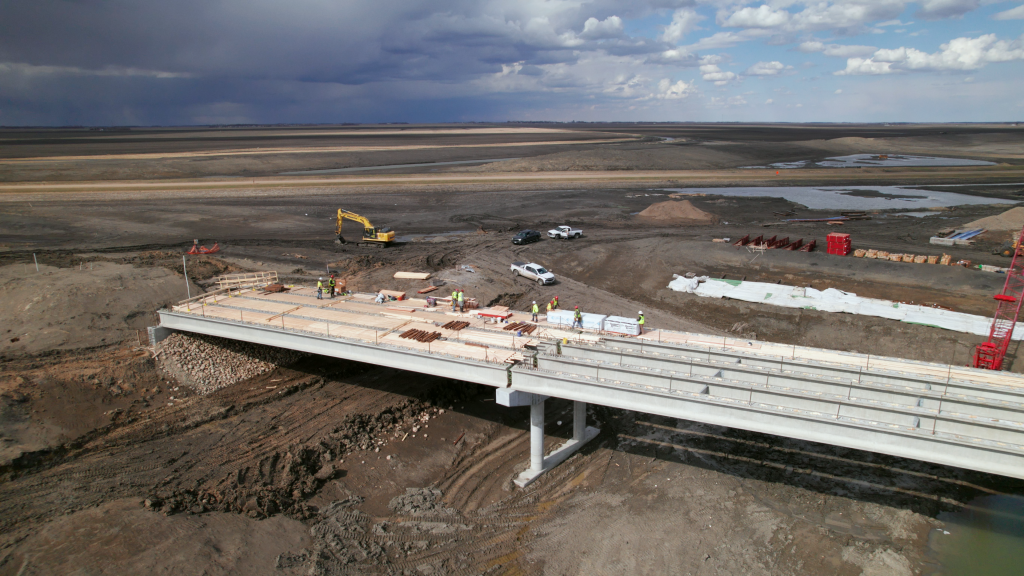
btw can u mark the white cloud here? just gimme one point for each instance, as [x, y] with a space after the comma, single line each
[728, 39]
[1011, 14]
[669, 91]
[839, 91]
[769, 101]
[841, 16]
[594, 29]
[761, 17]
[513, 68]
[674, 56]
[893, 23]
[683, 22]
[717, 102]
[811, 46]
[938, 9]
[712, 73]
[957, 54]
[845, 14]
[773, 68]
[837, 50]
[865, 66]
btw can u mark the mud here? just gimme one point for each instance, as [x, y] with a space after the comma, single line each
[112, 465]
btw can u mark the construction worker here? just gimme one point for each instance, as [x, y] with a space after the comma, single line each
[640, 320]
[577, 318]
[331, 284]
[462, 301]
[554, 303]
[549, 308]
[455, 299]
[320, 288]
[535, 310]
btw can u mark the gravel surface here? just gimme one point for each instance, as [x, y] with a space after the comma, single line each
[206, 363]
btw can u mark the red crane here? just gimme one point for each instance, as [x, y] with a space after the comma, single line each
[990, 354]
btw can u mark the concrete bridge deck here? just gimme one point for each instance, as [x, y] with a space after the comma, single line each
[932, 412]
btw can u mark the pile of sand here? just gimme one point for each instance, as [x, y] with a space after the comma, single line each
[675, 211]
[1010, 221]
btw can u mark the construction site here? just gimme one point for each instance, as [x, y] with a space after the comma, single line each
[794, 356]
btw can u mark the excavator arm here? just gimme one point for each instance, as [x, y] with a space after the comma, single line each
[380, 236]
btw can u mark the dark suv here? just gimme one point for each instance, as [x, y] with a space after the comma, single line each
[526, 236]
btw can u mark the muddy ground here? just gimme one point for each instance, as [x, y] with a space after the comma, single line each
[110, 466]
[66, 155]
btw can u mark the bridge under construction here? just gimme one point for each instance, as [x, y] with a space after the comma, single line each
[956, 416]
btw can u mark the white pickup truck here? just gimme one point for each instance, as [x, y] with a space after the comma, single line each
[533, 272]
[565, 232]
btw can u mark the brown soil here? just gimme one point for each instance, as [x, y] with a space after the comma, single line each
[671, 211]
[109, 467]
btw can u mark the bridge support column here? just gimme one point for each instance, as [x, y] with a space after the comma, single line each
[540, 464]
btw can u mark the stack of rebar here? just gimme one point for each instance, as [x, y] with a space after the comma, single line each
[420, 335]
[521, 327]
[455, 325]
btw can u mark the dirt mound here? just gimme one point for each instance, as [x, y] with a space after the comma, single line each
[101, 303]
[672, 210]
[1010, 221]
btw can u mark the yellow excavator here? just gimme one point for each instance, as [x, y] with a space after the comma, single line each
[372, 235]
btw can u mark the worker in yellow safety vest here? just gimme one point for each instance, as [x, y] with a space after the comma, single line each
[455, 299]
[320, 288]
[641, 321]
[577, 318]
[462, 301]
[554, 303]
[549, 308]
[331, 284]
[535, 310]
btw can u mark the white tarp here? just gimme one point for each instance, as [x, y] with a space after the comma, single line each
[832, 300]
[621, 325]
[564, 318]
[560, 317]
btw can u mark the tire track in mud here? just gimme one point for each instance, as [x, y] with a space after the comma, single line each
[232, 449]
[198, 445]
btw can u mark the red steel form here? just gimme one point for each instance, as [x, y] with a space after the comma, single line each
[990, 354]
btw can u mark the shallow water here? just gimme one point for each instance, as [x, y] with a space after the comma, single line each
[858, 160]
[855, 160]
[985, 538]
[850, 197]
[391, 166]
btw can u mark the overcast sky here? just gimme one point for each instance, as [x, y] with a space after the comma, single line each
[138, 62]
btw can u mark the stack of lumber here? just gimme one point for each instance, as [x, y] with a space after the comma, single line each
[413, 275]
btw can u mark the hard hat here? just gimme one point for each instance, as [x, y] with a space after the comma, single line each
[577, 306]
[641, 312]
[534, 301]
[321, 277]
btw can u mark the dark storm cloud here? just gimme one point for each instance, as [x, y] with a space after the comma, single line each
[111, 61]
